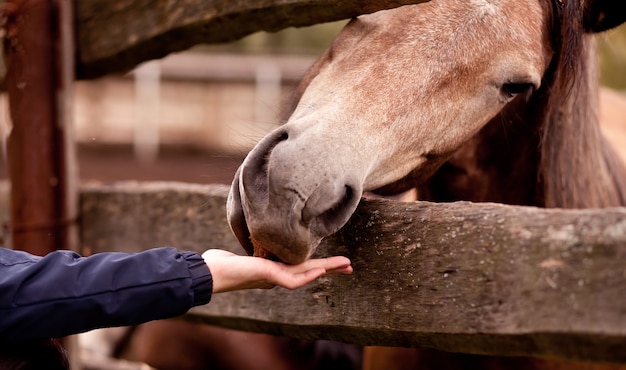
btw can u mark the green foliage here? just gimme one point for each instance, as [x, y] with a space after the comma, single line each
[612, 49]
[311, 40]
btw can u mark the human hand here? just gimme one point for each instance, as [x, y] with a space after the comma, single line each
[234, 272]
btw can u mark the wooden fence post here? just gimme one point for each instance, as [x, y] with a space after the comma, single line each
[42, 170]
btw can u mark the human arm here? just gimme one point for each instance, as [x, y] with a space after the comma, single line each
[64, 293]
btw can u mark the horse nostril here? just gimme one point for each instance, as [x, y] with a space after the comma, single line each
[255, 166]
[330, 212]
[280, 137]
[335, 212]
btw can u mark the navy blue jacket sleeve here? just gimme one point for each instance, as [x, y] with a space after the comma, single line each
[63, 293]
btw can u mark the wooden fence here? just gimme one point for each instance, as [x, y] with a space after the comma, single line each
[104, 46]
[462, 277]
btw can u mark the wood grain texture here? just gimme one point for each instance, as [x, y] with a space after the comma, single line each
[462, 277]
[115, 36]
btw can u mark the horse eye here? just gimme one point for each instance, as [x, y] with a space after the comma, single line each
[511, 89]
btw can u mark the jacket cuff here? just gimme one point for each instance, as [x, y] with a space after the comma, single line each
[201, 279]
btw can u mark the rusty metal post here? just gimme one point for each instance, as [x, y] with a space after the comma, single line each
[39, 56]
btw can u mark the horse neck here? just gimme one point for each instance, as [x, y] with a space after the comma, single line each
[499, 164]
[552, 156]
[578, 168]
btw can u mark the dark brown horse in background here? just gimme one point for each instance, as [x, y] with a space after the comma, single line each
[479, 100]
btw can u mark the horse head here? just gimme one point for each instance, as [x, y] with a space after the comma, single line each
[395, 95]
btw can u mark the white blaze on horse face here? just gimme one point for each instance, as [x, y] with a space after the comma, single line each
[404, 88]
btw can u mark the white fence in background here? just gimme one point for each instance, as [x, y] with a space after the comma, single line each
[219, 102]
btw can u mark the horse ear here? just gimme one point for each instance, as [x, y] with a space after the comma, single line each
[601, 15]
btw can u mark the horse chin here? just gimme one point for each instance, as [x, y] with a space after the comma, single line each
[239, 227]
[261, 252]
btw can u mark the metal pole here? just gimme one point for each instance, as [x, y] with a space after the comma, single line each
[39, 56]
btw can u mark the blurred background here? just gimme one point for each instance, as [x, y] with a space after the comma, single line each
[193, 116]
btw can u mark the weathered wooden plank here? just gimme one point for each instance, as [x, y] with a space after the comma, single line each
[463, 277]
[114, 36]
[133, 216]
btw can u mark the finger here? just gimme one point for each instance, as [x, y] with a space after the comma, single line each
[338, 265]
[330, 263]
[336, 261]
[340, 270]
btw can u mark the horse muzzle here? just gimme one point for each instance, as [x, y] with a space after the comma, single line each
[284, 199]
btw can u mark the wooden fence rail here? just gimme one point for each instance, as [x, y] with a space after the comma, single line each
[463, 277]
[115, 36]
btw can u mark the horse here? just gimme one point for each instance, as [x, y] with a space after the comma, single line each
[477, 100]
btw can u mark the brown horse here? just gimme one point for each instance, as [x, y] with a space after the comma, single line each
[478, 100]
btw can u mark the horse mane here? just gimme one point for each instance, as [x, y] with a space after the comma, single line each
[577, 167]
